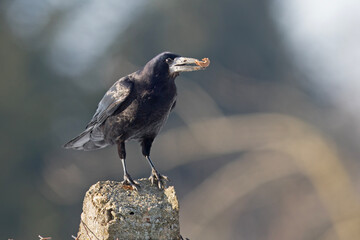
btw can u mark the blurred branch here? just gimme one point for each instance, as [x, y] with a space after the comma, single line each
[226, 187]
[315, 155]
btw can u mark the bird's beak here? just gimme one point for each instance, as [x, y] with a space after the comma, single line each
[185, 64]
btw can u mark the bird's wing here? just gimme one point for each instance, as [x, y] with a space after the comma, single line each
[111, 101]
[173, 106]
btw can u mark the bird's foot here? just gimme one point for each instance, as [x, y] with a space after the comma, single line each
[130, 182]
[156, 176]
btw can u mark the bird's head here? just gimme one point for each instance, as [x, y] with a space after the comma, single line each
[172, 64]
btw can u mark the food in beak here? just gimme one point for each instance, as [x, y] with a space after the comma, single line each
[204, 63]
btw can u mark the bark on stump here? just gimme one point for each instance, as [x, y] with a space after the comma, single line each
[114, 211]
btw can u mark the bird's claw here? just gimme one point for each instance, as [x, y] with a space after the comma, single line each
[156, 176]
[129, 181]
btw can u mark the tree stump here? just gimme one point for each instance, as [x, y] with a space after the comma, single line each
[114, 211]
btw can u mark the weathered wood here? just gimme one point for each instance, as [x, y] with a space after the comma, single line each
[113, 211]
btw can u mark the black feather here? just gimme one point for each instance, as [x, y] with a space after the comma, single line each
[135, 106]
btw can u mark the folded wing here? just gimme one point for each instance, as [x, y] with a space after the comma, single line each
[93, 138]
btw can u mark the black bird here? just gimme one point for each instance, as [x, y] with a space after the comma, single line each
[135, 108]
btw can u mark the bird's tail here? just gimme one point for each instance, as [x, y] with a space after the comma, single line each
[85, 142]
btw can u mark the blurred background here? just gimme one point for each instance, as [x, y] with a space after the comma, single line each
[264, 144]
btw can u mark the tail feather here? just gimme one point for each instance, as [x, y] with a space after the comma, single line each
[79, 141]
[85, 142]
[93, 145]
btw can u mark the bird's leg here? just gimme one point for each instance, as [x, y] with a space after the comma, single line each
[127, 178]
[155, 175]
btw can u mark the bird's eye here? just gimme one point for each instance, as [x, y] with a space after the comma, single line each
[169, 60]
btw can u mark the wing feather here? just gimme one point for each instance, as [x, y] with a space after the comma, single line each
[111, 101]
